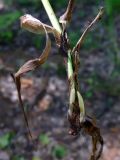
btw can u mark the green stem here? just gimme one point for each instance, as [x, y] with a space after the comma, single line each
[70, 65]
[56, 25]
[74, 91]
[51, 15]
[70, 71]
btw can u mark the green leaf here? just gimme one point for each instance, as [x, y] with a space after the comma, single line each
[5, 140]
[81, 106]
[59, 151]
[44, 139]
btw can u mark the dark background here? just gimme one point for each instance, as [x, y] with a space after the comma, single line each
[45, 91]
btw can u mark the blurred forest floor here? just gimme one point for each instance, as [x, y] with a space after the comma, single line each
[45, 91]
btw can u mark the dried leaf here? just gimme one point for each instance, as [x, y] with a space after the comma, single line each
[29, 66]
[33, 25]
[78, 45]
[18, 86]
[92, 130]
[33, 64]
[66, 17]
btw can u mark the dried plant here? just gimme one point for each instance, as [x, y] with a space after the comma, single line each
[77, 116]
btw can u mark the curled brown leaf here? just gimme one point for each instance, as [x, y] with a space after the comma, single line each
[29, 66]
[34, 25]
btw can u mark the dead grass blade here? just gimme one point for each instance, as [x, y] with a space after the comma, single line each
[29, 66]
[18, 86]
[78, 45]
[66, 17]
[33, 25]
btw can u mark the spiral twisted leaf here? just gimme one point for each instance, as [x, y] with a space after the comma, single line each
[30, 66]
[34, 25]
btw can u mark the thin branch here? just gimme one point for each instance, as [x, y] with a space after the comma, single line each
[78, 45]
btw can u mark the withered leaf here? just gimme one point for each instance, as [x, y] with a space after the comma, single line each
[34, 25]
[18, 86]
[94, 131]
[78, 45]
[66, 17]
[29, 66]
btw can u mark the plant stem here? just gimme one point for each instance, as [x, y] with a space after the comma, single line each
[70, 71]
[56, 25]
[51, 15]
[70, 65]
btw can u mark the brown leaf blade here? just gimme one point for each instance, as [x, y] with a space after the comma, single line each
[34, 25]
[18, 86]
[30, 66]
[80, 41]
[66, 17]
